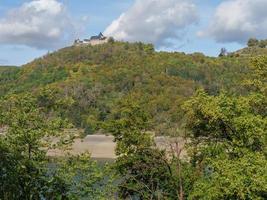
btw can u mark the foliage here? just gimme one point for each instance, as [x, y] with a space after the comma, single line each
[240, 178]
[229, 122]
[25, 171]
[252, 42]
[144, 169]
[8, 76]
[23, 167]
[136, 93]
[95, 78]
[146, 172]
[79, 177]
[223, 52]
[228, 135]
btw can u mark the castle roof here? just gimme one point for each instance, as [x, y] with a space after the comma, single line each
[97, 37]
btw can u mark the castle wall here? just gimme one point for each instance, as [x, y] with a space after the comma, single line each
[96, 42]
[91, 42]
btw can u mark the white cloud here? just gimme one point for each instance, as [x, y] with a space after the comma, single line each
[154, 21]
[238, 20]
[42, 24]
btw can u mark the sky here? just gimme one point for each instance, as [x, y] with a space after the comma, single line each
[31, 28]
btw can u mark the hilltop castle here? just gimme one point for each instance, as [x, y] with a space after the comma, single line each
[94, 40]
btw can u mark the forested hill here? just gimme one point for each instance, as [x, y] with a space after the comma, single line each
[86, 83]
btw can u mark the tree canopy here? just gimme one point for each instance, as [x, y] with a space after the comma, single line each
[216, 106]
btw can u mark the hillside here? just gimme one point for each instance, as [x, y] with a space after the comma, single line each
[214, 109]
[8, 77]
[251, 51]
[87, 82]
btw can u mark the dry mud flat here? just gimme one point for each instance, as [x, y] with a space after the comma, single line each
[102, 146]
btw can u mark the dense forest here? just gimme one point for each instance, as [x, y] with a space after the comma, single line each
[217, 105]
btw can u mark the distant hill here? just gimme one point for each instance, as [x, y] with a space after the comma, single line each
[93, 79]
[254, 47]
[251, 51]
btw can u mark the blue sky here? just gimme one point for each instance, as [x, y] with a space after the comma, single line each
[31, 28]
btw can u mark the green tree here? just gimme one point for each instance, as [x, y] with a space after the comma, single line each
[257, 78]
[223, 52]
[27, 173]
[145, 170]
[225, 135]
[79, 177]
[24, 147]
[111, 40]
[227, 178]
[262, 43]
[252, 42]
[229, 141]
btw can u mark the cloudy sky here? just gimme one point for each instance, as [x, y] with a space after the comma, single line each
[31, 28]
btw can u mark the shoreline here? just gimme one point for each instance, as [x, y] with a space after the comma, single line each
[103, 147]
